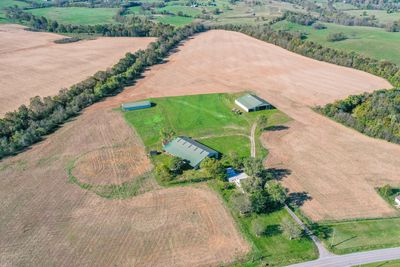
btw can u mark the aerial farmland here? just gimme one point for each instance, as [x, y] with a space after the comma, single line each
[200, 133]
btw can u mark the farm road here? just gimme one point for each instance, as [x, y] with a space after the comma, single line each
[253, 140]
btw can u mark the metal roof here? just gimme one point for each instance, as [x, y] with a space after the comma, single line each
[136, 104]
[252, 101]
[189, 149]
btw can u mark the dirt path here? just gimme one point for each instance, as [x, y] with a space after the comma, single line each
[253, 140]
[338, 167]
[32, 64]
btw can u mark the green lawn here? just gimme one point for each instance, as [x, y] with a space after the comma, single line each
[8, 3]
[237, 144]
[372, 42]
[174, 20]
[394, 263]
[197, 116]
[272, 248]
[77, 15]
[352, 236]
[381, 15]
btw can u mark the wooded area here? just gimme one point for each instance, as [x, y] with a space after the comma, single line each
[376, 114]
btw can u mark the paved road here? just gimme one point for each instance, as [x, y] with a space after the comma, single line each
[353, 259]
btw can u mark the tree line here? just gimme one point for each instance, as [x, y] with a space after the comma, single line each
[21, 128]
[376, 114]
[295, 43]
[131, 26]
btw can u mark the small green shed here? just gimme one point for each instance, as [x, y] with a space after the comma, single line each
[136, 105]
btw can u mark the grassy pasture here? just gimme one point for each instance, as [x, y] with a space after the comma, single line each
[174, 20]
[381, 15]
[8, 3]
[237, 144]
[208, 117]
[360, 235]
[372, 42]
[271, 248]
[178, 8]
[77, 15]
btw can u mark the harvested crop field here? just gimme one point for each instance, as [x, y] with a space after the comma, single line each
[338, 167]
[48, 221]
[111, 165]
[32, 64]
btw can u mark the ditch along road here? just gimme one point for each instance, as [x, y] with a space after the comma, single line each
[353, 259]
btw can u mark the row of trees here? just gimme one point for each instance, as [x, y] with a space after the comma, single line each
[28, 124]
[376, 114]
[294, 43]
[389, 5]
[128, 26]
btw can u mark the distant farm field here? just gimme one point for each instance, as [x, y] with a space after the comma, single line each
[372, 42]
[32, 64]
[382, 15]
[174, 20]
[77, 15]
[7, 3]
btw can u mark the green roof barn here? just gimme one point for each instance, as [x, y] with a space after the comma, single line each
[189, 150]
[251, 103]
[136, 105]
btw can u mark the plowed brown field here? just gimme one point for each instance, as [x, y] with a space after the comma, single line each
[111, 165]
[46, 221]
[337, 166]
[32, 64]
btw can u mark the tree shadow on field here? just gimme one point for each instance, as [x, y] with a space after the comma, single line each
[278, 174]
[297, 199]
[273, 229]
[276, 128]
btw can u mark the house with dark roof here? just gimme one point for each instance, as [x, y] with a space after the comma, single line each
[250, 103]
[190, 150]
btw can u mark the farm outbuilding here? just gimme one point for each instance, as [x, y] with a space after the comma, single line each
[189, 150]
[136, 105]
[234, 177]
[397, 200]
[250, 103]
